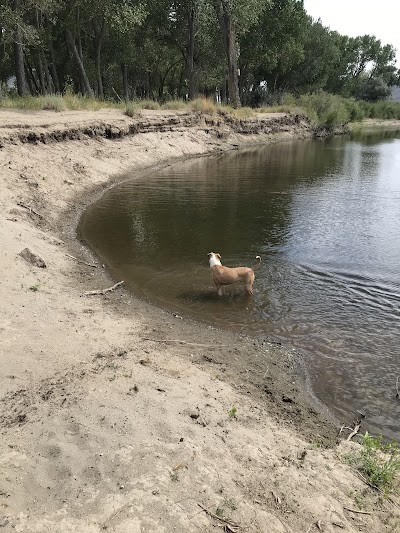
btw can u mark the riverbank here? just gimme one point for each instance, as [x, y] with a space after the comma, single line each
[117, 415]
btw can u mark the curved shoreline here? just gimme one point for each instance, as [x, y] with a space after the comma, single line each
[105, 398]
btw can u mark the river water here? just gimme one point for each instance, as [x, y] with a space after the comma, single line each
[325, 218]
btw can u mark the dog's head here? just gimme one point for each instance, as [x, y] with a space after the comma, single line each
[214, 259]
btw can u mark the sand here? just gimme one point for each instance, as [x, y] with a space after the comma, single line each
[116, 415]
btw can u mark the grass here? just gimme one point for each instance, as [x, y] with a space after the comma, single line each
[238, 113]
[378, 462]
[322, 109]
[34, 288]
[203, 105]
[132, 110]
[232, 412]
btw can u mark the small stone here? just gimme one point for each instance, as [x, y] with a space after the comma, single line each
[32, 258]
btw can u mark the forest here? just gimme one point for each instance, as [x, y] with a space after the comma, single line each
[243, 52]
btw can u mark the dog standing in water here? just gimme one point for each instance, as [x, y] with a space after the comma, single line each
[226, 276]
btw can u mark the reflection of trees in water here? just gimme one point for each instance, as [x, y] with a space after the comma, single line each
[230, 203]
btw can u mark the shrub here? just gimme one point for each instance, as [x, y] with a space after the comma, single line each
[149, 104]
[54, 103]
[203, 105]
[379, 462]
[132, 110]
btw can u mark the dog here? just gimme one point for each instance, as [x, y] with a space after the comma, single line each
[226, 276]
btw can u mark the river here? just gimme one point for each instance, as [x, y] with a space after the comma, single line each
[324, 215]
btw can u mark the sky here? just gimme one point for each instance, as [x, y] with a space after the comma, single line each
[360, 17]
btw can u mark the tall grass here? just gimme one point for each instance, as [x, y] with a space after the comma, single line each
[322, 109]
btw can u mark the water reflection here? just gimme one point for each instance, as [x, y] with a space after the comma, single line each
[324, 215]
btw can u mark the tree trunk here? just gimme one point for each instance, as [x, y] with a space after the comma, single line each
[22, 85]
[190, 61]
[34, 87]
[41, 73]
[99, 44]
[81, 68]
[125, 81]
[53, 68]
[229, 34]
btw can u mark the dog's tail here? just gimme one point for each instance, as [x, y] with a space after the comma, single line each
[257, 265]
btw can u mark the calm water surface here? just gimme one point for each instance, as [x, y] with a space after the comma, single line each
[324, 216]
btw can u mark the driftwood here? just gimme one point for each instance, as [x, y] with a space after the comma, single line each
[80, 261]
[104, 291]
[30, 209]
[229, 525]
[355, 430]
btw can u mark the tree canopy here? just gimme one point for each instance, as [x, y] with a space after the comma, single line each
[248, 51]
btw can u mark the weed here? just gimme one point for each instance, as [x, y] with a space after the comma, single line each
[148, 104]
[175, 105]
[232, 412]
[132, 110]
[378, 462]
[203, 105]
[34, 288]
[238, 113]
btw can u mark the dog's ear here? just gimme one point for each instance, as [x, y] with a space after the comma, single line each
[219, 257]
[210, 254]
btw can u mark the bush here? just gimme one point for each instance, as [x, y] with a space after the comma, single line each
[132, 110]
[379, 462]
[203, 105]
[149, 104]
[372, 90]
[325, 110]
[54, 103]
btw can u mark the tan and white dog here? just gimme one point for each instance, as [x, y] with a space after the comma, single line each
[226, 276]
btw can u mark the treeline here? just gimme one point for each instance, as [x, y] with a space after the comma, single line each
[249, 52]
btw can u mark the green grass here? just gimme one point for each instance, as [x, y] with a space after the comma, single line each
[379, 463]
[34, 288]
[232, 412]
[132, 110]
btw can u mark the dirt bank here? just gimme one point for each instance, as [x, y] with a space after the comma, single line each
[116, 415]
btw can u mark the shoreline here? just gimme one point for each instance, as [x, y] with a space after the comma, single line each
[108, 400]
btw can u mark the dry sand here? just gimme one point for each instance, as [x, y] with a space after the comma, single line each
[104, 429]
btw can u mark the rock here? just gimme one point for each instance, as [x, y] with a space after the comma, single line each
[32, 258]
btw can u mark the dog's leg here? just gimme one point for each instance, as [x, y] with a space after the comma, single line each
[219, 289]
[249, 288]
[249, 284]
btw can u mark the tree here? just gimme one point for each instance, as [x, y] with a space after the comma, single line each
[235, 17]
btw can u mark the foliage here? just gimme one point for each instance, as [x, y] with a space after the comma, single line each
[232, 412]
[379, 462]
[132, 110]
[162, 51]
[203, 105]
[372, 90]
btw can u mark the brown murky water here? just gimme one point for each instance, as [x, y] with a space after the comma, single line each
[324, 216]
